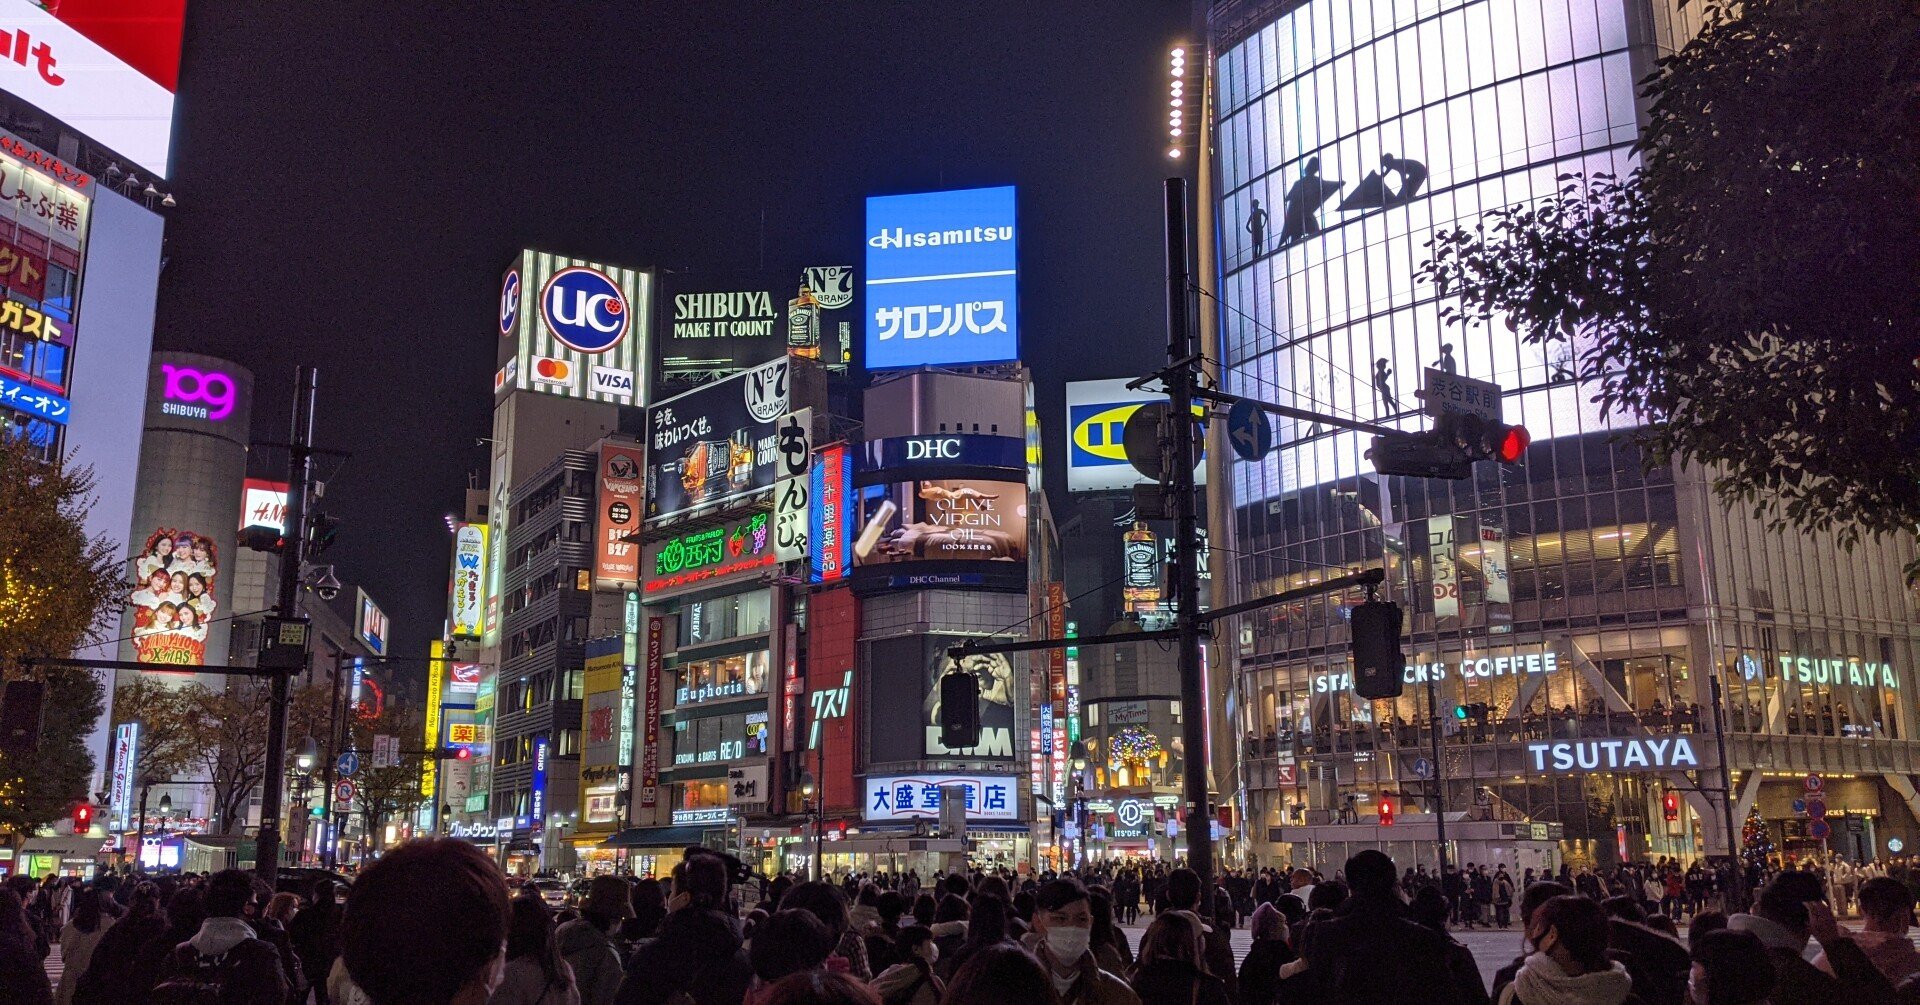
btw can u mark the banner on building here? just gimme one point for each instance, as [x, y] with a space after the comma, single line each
[650, 734]
[792, 506]
[623, 496]
[1446, 576]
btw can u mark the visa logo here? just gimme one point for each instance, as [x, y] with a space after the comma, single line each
[613, 380]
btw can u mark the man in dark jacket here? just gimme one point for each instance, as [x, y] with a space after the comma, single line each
[698, 951]
[1790, 910]
[1373, 953]
[1657, 961]
[226, 953]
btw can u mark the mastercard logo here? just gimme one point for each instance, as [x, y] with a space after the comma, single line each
[548, 370]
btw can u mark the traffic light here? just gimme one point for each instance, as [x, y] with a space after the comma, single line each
[83, 818]
[1477, 711]
[1482, 439]
[1460, 712]
[1378, 665]
[959, 710]
[453, 754]
[1670, 805]
[321, 530]
[22, 712]
[1386, 811]
[1449, 449]
[256, 537]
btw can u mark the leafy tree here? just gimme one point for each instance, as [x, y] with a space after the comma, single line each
[231, 745]
[1753, 288]
[59, 591]
[384, 791]
[170, 727]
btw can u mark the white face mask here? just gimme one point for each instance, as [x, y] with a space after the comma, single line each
[1068, 944]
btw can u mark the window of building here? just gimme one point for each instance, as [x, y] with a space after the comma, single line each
[703, 622]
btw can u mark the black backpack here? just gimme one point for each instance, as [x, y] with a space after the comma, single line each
[198, 979]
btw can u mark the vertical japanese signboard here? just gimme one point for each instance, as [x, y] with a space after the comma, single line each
[126, 753]
[832, 546]
[650, 734]
[623, 492]
[466, 608]
[436, 680]
[792, 516]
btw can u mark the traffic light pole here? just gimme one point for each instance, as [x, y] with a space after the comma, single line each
[1439, 779]
[299, 471]
[1183, 363]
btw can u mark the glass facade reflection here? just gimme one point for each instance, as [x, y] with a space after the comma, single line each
[1580, 597]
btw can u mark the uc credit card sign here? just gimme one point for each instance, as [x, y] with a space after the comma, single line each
[1097, 414]
[942, 279]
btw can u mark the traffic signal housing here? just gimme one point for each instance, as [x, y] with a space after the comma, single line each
[83, 818]
[1450, 448]
[1378, 664]
[321, 531]
[959, 710]
[1386, 811]
[257, 537]
[452, 753]
[1670, 806]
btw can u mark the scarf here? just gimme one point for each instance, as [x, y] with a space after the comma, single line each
[1542, 982]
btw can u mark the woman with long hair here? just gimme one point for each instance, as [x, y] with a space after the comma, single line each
[22, 978]
[79, 938]
[986, 926]
[536, 974]
[1172, 968]
[1000, 974]
[109, 975]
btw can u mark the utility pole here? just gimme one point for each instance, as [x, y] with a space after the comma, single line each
[1182, 363]
[292, 555]
[332, 836]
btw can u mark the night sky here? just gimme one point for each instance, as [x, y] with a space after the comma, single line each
[350, 188]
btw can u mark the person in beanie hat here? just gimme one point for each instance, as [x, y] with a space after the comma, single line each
[588, 944]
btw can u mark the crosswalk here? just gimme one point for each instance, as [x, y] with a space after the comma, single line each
[55, 966]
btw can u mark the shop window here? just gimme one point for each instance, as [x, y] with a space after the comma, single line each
[722, 677]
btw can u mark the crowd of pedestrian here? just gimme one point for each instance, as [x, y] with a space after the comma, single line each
[434, 922]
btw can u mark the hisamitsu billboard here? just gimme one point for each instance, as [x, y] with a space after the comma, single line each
[942, 279]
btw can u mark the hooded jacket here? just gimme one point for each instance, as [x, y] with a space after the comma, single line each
[697, 951]
[256, 976]
[595, 960]
[1541, 981]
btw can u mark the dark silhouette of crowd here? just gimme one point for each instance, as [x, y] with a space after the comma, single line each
[435, 922]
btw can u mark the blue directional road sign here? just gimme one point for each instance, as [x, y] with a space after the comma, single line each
[1422, 768]
[1248, 431]
[348, 764]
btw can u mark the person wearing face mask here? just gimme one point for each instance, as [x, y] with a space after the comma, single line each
[1061, 936]
[426, 924]
[1569, 963]
[912, 981]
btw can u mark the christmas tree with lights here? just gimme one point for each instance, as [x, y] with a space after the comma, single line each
[1756, 845]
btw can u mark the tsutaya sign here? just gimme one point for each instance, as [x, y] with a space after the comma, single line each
[1852, 672]
[1649, 753]
[1516, 665]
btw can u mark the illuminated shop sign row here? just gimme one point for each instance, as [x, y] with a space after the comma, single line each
[1647, 753]
[987, 797]
[701, 555]
[1517, 665]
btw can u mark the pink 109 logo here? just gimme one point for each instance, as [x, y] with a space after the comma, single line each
[199, 395]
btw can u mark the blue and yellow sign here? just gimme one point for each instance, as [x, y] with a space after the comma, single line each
[1097, 414]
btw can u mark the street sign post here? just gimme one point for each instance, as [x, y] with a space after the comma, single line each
[1248, 431]
[343, 792]
[348, 764]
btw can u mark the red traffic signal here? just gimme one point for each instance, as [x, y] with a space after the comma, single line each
[1670, 805]
[1386, 812]
[463, 753]
[1512, 445]
[82, 818]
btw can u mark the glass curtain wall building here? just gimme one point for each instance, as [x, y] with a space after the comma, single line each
[1569, 609]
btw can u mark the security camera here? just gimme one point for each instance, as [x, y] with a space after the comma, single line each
[328, 585]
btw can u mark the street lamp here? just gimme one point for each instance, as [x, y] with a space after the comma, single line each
[808, 789]
[306, 755]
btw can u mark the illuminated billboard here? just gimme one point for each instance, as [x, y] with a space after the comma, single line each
[370, 624]
[715, 445]
[701, 556]
[622, 497]
[942, 519]
[466, 594]
[1097, 414]
[714, 324]
[263, 503]
[574, 328]
[832, 554]
[942, 282]
[909, 668]
[107, 68]
[172, 601]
